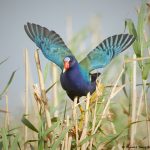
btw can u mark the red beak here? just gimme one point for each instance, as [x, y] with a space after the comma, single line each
[66, 65]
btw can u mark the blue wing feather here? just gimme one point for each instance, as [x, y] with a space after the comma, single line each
[106, 51]
[49, 42]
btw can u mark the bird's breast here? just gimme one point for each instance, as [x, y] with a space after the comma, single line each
[72, 81]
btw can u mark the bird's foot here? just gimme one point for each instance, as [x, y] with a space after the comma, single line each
[78, 129]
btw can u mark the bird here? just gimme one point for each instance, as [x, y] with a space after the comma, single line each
[76, 77]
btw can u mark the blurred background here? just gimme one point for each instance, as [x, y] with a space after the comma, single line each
[67, 18]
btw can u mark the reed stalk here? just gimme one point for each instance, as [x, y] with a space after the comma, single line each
[136, 59]
[93, 124]
[62, 145]
[67, 135]
[147, 112]
[145, 97]
[33, 87]
[33, 104]
[69, 143]
[133, 104]
[75, 118]
[139, 109]
[55, 90]
[42, 88]
[7, 112]
[26, 96]
[85, 126]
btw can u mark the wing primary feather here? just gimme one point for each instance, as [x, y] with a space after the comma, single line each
[54, 35]
[107, 43]
[34, 29]
[46, 32]
[120, 40]
[125, 36]
[102, 46]
[38, 30]
[31, 29]
[126, 40]
[56, 39]
[28, 33]
[111, 51]
[131, 40]
[113, 39]
[104, 43]
[116, 40]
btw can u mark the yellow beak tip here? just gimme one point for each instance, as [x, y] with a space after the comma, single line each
[64, 70]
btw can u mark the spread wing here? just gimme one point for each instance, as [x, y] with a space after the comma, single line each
[49, 42]
[106, 51]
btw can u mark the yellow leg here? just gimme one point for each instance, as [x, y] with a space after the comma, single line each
[81, 109]
[99, 91]
[81, 120]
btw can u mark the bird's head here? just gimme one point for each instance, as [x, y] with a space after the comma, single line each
[69, 62]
